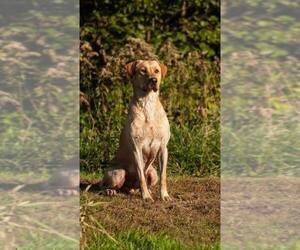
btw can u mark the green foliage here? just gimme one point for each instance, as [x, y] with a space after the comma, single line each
[191, 25]
[182, 34]
[138, 240]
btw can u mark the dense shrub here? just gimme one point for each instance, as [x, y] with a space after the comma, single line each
[191, 25]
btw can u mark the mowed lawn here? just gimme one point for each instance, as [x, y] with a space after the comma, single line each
[190, 221]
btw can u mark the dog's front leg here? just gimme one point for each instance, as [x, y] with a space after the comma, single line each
[140, 165]
[163, 159]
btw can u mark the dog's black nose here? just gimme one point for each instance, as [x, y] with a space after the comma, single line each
[153, 80]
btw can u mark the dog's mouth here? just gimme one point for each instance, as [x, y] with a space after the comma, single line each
[154, 88]
[151, 86]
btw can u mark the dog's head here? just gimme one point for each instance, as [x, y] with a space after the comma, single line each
[146, 75]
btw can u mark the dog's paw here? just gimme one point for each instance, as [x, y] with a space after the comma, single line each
[132, 191]
[165, 197]
[110, 192]
[147, 198]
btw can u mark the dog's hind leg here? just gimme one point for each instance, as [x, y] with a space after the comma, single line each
[132, 186]
[151, 176]
[113, 180]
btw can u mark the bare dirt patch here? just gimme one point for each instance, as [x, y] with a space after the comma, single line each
[192, 217]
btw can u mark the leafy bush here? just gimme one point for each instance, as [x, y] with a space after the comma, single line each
[191, 25]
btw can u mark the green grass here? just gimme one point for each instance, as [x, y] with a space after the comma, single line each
[134, 240]
[195, 150]
[90, 176]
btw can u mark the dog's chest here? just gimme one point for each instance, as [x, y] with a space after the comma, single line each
[151, 138]
[150, 128]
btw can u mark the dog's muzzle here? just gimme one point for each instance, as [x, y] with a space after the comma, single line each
[153, 83]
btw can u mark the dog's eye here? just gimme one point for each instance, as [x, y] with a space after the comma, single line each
[143, 71]
[156, 71]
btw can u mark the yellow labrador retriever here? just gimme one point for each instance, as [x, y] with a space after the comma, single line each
[144, 137]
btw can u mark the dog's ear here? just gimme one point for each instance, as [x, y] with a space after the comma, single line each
[163, 70]
[130, 68]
